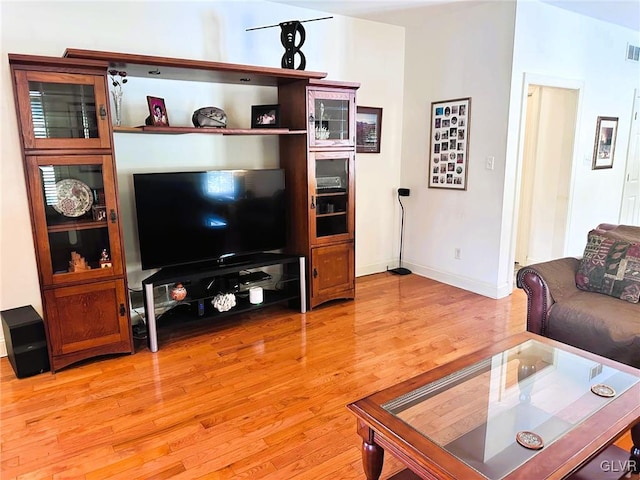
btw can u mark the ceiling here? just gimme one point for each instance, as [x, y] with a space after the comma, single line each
[625, 13]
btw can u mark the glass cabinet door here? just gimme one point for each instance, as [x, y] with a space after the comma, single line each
[332, 199]
[74, 211]
[62, 110]
[331, 115]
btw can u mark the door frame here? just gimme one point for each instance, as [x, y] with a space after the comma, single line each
[543, 81]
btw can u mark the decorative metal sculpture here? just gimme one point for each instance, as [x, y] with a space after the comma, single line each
[289, 32]
[292, 37]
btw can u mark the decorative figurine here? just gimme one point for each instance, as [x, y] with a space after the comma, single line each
[105, 262]
[78, 263]
[178, 293]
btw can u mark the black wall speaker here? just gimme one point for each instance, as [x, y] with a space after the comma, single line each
[26, 341]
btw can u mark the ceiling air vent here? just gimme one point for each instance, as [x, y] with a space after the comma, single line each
[633, 53]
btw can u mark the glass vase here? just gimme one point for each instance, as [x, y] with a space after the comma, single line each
[117, 103]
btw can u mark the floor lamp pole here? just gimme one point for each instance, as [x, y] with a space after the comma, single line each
[402, 192]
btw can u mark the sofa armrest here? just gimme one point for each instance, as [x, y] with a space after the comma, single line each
[545, 283]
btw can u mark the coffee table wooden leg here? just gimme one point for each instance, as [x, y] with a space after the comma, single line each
[372, 457]
[634, 461]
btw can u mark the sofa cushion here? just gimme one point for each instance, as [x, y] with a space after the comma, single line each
[610, 265]
[599, 324]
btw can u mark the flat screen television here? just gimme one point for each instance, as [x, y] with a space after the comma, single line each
[192, 217]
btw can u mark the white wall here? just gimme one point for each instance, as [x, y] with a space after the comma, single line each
[348, 49]
[483, 50]
[453, 51]
[569, 48]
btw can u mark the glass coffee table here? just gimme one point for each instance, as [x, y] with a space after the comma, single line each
[525, 408]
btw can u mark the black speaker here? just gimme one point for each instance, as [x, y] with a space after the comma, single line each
[402, 192]
[25, 340]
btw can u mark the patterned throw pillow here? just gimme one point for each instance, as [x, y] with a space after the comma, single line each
[611, 266]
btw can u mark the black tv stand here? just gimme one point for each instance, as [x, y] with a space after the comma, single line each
[256, 276]
[206, 280]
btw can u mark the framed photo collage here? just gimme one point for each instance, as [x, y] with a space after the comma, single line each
[449, 144]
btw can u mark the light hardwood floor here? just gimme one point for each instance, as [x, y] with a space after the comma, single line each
[254, 396]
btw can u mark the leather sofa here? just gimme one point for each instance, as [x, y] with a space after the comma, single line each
[599, 323]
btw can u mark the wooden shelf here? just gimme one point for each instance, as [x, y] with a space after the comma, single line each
[148, 66]
[331, 194]
[81, 225]
[210, 131]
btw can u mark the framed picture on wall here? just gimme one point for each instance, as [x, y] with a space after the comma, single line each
[605, 143]
[368, 129]
[449, 143]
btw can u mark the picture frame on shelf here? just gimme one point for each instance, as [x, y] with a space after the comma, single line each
[605, 142]
[265, 116]
[368, 129]
[157, 112]
[449, 143]
[99, 213]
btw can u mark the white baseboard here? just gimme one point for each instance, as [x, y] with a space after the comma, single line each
[375, 268]
[3, 346]
[481, 288]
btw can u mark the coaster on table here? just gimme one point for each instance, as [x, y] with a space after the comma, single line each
[529, 440]
[603, 390]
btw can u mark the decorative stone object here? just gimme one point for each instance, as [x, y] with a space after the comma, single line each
[209, 117]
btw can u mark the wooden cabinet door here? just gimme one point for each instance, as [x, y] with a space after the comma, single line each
[87, 320]
[331, 115]
[75, 216]
[332, 197]
[62, 110]
[332, 273]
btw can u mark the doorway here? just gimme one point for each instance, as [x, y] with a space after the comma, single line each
[630, 207]
[547, 159]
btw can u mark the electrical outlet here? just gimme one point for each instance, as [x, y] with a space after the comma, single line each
[456, 253]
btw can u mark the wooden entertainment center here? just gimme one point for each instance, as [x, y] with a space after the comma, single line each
[66, 132]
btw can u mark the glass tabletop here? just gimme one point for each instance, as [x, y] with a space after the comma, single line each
[476, 413]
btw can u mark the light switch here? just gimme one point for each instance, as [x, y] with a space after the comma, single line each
[491, 161]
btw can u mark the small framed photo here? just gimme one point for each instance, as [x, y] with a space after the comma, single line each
[449, 133]
[605, 143]
[368, 129]
[158, 112]
[99, 213]
[265, 116]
